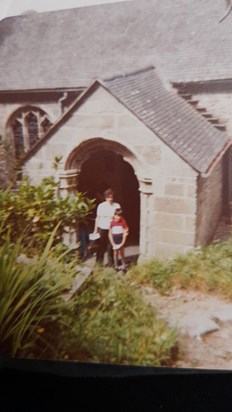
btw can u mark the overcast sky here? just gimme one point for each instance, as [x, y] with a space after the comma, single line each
[15, 7]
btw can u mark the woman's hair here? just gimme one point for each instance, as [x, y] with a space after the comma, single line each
[118, 211]
[108, 192]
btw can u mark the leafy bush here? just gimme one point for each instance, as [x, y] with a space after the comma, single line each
[32, 212]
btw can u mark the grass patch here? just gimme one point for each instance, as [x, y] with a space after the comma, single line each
[114, 325]
[206, 269]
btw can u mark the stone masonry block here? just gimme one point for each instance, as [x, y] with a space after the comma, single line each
[165, 251]
[169, 221]
[176, 238]
[191, 191]
[136, 134]
[190, 224]
[99, 105]
[105, 121]
[125, 120]
[34, 164]
[55, 150]
[152, 154]
[171, 205]
[174, 189]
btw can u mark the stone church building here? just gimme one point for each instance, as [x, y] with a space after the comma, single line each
[134, 95]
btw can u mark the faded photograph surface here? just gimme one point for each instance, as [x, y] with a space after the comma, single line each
[116, 177]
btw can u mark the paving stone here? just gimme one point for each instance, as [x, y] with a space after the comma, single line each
[223, 315]
[197, 324]
[82, 275]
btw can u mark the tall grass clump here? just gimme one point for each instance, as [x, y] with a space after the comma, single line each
[114, 325]
[33, 314]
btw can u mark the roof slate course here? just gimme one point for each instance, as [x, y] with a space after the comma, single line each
[176, 123]
[70, 48]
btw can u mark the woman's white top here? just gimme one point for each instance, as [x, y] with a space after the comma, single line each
[105, 213]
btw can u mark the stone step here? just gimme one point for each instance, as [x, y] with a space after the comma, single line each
[201, 109]
[220, 127]
[82, 275]
[178, 86]
[214, 121]
[207, 115]
[185, 96]
[193, 102]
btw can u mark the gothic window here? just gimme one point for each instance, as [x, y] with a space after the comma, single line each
[18, 138]
[31, 121]
[28, 126]
[46, 124]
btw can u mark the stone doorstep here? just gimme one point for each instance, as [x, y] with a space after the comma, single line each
[82, 275]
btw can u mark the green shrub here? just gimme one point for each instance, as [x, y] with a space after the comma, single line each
[32, 212]
[205, 268]
[114, 325]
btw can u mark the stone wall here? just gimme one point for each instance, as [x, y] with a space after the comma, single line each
[168, 201]
[209, 204]
[219, 105]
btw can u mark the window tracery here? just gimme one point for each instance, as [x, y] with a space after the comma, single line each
[28, 126]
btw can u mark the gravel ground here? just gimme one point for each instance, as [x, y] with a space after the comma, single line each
[204, 323]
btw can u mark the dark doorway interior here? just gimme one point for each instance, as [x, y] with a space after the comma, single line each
[106, 169]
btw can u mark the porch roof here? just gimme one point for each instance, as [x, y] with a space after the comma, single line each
[171, 118]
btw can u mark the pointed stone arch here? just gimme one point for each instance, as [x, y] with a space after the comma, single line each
[82, 152]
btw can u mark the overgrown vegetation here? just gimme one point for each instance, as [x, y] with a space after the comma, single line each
[32, 212]
[207, 269]
[114, 325]
[106, 322]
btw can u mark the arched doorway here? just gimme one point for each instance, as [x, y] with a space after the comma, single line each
[103, 169]
[97, 163]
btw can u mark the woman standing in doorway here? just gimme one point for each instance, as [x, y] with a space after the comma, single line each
[105, 213]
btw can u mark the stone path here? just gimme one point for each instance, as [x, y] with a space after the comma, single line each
[82, 274]
[204, 323]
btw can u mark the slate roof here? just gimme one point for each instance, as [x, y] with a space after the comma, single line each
[70, 48]
[171, 118]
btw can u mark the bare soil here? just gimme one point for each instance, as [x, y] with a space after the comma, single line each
[206, 348]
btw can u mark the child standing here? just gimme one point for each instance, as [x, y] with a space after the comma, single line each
[117, 234]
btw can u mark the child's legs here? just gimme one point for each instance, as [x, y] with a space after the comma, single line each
[115, 258]
[122, 256]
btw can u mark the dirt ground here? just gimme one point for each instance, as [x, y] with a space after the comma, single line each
[204, 324]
